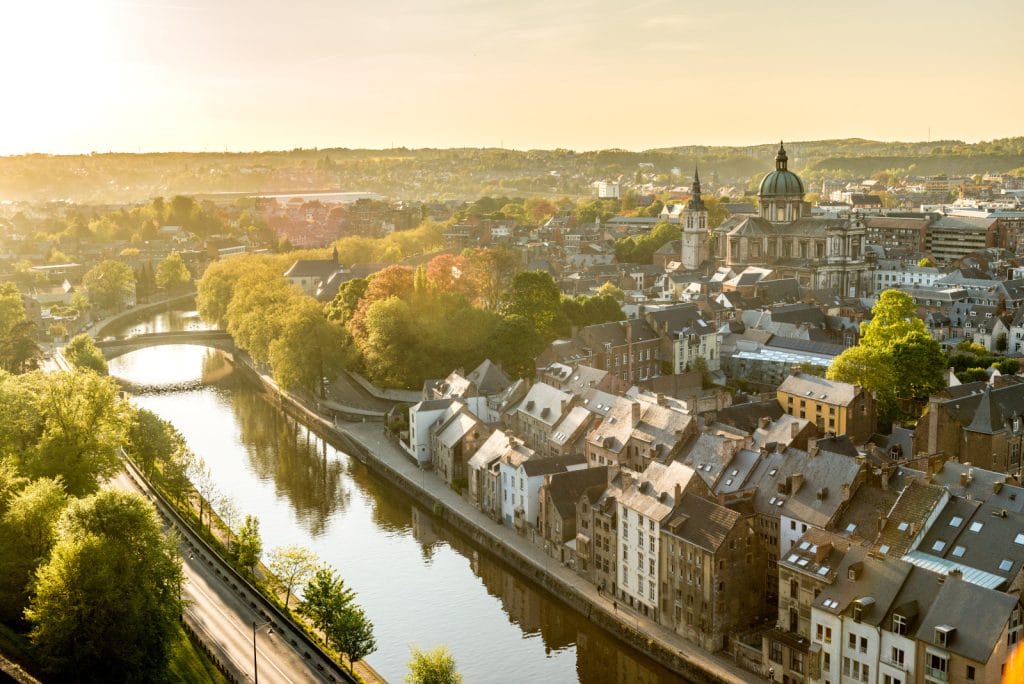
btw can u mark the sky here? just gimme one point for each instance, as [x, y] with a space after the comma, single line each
[211, 75]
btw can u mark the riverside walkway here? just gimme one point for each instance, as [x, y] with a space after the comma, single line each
[373, 441]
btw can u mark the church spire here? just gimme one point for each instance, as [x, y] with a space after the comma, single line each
[781, 158]
[695, 203]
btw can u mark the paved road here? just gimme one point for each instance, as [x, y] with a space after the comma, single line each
[222, 613]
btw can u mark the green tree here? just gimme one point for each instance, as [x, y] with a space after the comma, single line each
[1002, 342]
[257, 311]
[152, 442]
[82, 352]
[896, 358]
[610, 289]
[351, 634]
[344, 305]
[926, 262]
[535, 296]
[436, 666]
[172, 274]
[110, 285]
[325, 597]
[27, 533]
[18, 349]
[308, 348]
[107, 602]
[83, 424]
[292, 565]
[249, 544]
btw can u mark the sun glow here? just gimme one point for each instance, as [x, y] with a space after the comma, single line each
[55, 55]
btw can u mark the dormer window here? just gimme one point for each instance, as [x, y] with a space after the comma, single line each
[944, 635]
[899, 624]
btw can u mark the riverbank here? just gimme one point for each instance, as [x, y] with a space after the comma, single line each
[369, 443]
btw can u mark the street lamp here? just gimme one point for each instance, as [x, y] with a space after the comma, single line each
[270, 632]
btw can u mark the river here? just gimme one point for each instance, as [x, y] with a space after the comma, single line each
[420, 582]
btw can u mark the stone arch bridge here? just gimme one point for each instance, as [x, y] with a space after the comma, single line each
[114, 347]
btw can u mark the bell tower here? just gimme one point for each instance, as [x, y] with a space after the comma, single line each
[695, 250]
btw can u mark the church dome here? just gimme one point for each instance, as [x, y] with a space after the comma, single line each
[781, 181]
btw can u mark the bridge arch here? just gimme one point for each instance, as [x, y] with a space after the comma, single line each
[218, 339]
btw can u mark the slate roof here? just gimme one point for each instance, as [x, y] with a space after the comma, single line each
[534, 467]
[652, 492]
[315, 268]
[985, 411]
[819, 389]
[566, 488]
[489, 378]
[907, 516]
[545, 403]
[747, 416]
[977, 614]
[701, 522]
[875, 584]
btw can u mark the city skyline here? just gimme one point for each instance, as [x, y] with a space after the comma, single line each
[119, 75]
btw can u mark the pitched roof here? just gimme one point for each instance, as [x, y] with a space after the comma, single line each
[489, 378]
[566, 488]
[702, 522]
[978, 616]
[819, 389]
[316, 268]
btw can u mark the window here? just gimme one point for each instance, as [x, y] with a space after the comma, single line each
[969, 675]
[899, 624]
[826, 662]
[863, 645]
[775, 652]
[897, 655]
[853, 642]
[936, 665]
[976, 526]
[956, 521]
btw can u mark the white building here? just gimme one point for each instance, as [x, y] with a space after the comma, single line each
[647, 499]
[522, 474]
[421, 416]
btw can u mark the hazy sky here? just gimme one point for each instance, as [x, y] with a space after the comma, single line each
[129, 75]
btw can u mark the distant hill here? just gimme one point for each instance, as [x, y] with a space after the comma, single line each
[468, 173]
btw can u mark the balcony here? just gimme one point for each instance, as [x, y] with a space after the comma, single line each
[892, 663]
[936, 674]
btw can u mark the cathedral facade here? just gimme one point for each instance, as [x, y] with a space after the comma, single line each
[821, 253]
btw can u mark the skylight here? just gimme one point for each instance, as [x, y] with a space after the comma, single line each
[852, 527]
[823, 570]
[793, 558]
[902, 527]
[1005, 565]
[1019, 539]
[802, 562]
[805, 545]
[831, 603]
[958, 551]
[939, 545]
[975, 527]
[772, 472]
[956, 521]
[884, 548]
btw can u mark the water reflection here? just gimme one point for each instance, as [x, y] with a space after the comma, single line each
[421, 581]
[164, 321]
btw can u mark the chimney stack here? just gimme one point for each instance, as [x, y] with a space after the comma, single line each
[812, 447]
[635, 407]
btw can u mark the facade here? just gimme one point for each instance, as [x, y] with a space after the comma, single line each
[837, 408]
[644, 505]
[627, 349]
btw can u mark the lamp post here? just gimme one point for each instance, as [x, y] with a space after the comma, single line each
[270, 632]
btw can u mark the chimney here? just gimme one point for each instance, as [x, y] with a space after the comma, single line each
[763, 422]
[886, 474]
[764, 452]
[796, 480]
[882, 519]
[823, 550]
[635, 406]
[964, 479]
[794, 429]
[997, 487]
[812, 447]
[661, 400]
[627, 479]
[678, 494]
[845, 492]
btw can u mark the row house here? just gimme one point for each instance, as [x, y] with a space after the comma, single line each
[535, 417]
[636, 432]
[558, 498]
[629, 349]
[712, 564]
[522, 474]
[685, 337]
[908, 234]
[484, 472]
[597, 533]
[454, 438]
[645, 503]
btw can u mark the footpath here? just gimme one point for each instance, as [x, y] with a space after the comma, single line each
[371, 445]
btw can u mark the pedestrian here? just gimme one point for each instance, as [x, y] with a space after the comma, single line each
[615, 605]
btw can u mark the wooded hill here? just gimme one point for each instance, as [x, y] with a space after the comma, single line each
[468, 173]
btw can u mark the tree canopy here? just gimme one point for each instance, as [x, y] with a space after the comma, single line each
[172, 274]
[110, 284]
[82, 352]
[436, 666]
[106, 603]
[896, 358]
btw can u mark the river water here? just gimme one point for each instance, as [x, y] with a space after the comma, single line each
[420, 582]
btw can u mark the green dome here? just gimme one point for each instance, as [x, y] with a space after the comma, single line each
[781, 181]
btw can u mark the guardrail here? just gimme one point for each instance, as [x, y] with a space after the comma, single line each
[298, 638]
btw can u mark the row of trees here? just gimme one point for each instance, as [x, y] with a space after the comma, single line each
[88, 573]
[401, 325]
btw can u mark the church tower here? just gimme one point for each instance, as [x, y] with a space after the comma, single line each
[695, 249]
